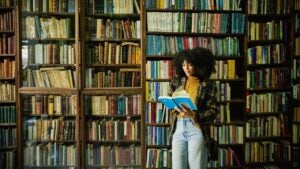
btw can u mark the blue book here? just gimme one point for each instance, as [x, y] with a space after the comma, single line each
[179, 99]
[71, 6]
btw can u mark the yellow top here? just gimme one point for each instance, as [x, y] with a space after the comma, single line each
[191, 86]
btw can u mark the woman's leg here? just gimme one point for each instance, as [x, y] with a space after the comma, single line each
[197, 150]
[179, 147]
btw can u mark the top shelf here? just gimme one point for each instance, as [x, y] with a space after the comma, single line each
[30, 13]
[195, 10]
[220, 5]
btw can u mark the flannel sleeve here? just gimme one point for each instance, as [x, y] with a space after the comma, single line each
[210, 109]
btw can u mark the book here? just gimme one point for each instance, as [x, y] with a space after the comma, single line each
[178, 99]
[137, 7]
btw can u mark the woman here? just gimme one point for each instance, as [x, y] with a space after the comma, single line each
[190, 136]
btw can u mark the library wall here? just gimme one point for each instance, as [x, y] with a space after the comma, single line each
[80, 81]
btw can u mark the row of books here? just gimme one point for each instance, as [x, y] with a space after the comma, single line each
[113, 53]
[48, 5]
[112, 7]
[267, 126]
[7, 3]
[156, 135]
[7, 20]
[36, 27]
[296, 134]
[227, 157]
[267, 151]
[156, 89]
[223, 91]
[48, 53]
[59, 77]
[272, 30]
[112, 155]
[159, 69]
[49, 105]
[297, 4]
[7, 44]
[225, 69]
[276, 102]
[224, 23]
[156, 112]
[8, 158]
[225, 113]
[7, 91]
[297, 44]
[170, 45]
[158, 158]
[49, 155]
[123, 77]
[270, 54]
[268, 78]
[296, 91]
[49, 130]
[8, 137]
[101, 29]
[198, 4]
[228, 134]
[296, 68]
[112, 105]
[7, 68]
[268, 7]
[113, 130]
[8, 114]
[296, 116]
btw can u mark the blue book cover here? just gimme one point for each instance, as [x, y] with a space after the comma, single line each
[178, 99]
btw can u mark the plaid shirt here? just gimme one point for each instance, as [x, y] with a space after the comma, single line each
[207, 107]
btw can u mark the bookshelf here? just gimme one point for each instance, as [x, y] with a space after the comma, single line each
[185, 27]
[295, 82]
[48, 93]
[79, 81]
[8, 83]
[268, 88]
[112, 87]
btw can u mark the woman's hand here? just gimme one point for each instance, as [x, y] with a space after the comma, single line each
[184, 111]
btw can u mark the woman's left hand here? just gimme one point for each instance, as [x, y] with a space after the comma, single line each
[184, 111]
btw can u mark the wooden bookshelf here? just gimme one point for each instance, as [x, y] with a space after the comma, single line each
[268, 54]
[8, 84]
[112, 84]
[295, 82]
[184, 28]
[48, 93]
[80, 77]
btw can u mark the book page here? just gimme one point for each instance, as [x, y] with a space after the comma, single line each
[180, 92]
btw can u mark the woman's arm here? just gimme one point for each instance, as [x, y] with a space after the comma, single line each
[208, 109]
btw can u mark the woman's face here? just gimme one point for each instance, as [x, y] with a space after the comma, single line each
[188, 68]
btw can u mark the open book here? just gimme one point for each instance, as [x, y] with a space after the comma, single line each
[180, 97]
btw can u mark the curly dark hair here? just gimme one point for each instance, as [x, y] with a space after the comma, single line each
[201, 58]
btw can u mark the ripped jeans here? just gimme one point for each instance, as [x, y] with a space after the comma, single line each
[189, 149]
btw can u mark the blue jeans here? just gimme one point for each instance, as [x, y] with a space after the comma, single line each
[189, 149]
